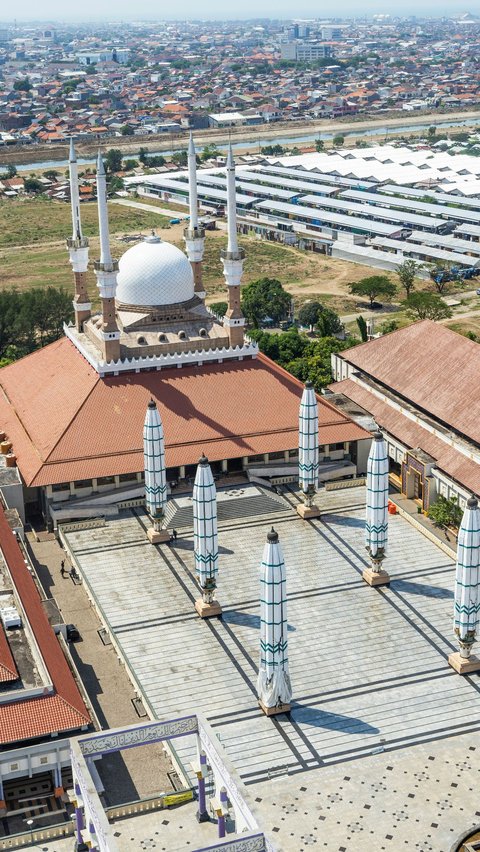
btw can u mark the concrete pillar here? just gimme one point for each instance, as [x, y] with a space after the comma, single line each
[245, 461]
[266, 458]
[181, 472]
[286, 455]
[224, 465]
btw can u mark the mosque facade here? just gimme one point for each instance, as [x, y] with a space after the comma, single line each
[71, 414]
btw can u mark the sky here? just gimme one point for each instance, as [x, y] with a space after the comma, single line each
[53, 10]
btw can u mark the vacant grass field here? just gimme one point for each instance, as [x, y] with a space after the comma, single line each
[25, 222]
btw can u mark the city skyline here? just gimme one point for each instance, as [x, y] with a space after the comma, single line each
[54, 10]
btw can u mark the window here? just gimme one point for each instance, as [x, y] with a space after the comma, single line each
[127, 477]
[334, 447]
[61, 486]
[83, 483]
[275, 456]
[106, 480]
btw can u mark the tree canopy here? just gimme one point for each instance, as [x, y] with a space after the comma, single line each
[265, 298]
[373, 287]
[113, 160]
[425, 305]
[29, 319]
[407, 272]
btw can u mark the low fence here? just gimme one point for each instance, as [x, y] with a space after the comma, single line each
[87, 524]
[345, 483]
[36, 836]
[154, 803]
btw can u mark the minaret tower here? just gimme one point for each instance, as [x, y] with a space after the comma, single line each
[232, 259]
[194, 235]
[77, 246]
[106, 271]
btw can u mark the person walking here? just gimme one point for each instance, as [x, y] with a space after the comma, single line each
[63, 572]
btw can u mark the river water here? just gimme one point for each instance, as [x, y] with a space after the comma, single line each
[256, 141]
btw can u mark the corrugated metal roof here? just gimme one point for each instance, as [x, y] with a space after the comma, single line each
[462, 469]
[433, 367]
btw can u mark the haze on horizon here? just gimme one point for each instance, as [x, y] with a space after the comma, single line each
[89, 10]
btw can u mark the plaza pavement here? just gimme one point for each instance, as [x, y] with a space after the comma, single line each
[381, 748]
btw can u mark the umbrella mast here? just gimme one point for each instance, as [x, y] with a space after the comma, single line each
[308, 452]
[273, 681]
[467, 590]
[376, 522]
[205, 539]
[155, 473]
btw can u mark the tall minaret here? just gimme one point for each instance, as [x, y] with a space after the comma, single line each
[232, 259]
[194, 235]
[77, 246]
[106, 271]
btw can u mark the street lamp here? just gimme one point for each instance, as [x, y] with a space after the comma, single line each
[30, 825]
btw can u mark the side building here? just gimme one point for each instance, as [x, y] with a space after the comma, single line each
[421, 386]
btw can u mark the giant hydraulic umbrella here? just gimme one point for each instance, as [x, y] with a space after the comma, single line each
[467, 590]
[273, 681]
[376, 526]
[308, 452]
[155, 473]
[205, 538]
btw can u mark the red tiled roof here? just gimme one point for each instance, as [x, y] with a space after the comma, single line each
[65, 709]
[8, 669]
[454, 464]
[430, 365]
[66, 423]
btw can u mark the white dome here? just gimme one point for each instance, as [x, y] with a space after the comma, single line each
[154, 273]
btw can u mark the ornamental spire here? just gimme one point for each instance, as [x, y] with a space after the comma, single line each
[192, 184]
[308, 452]
[232, 245]
[155, 473]
[74, 194]
[105, 254]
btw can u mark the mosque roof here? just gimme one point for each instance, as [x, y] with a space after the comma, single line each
[154, 272]
[67, 423]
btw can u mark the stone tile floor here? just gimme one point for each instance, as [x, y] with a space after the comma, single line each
[381, 730]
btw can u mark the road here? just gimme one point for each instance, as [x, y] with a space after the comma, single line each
[150, 208]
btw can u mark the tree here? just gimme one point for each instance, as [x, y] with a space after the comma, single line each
[373, 286]
[319, 145]
[432, 132]
[315, 365]
[407, 272]
[127, 130]
[309, 314]
[130, 164]
[113, 160]
[208, 152]
[143, 155]
[362, 327]
[441, 273]
[424, 305]
[22, 85]
[265, 298]
[32, 184]
[51, 174]
[445, 512]
[328, 323]
[219, 308]
[338, 140]
[31, 319]
[180, 158]
[388, 326]
[11, 170]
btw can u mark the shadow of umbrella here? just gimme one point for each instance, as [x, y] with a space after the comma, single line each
[422, 589]
[331, 721]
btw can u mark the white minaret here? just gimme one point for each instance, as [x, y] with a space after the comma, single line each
[106, 271]
[232, 259]
[194, 235]
[77, 246]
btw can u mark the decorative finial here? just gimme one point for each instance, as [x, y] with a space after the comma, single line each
[272, 536]
[378, 435]
[203, 460]
[472, 502]
[152, 404]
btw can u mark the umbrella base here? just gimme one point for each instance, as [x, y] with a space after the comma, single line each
[208, 610]
[464, 665]
[272, 711]
[307, 512]
[157, 536]
[375, 578]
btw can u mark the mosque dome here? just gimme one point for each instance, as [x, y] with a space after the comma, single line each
[154, 273]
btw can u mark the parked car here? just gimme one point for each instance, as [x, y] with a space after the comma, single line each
[73, 634]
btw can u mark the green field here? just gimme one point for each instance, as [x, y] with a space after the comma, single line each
[24, 222]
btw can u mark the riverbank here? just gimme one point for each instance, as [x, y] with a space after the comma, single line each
[258, 135]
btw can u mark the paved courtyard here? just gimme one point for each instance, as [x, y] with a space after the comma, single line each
[381, 748]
